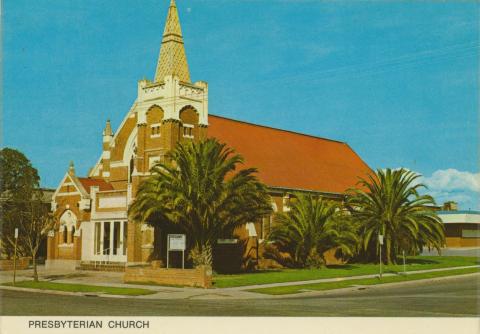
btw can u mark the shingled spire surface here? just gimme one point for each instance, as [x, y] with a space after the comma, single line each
[172, 59]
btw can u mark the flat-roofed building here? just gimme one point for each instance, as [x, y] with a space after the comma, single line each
[462, 228]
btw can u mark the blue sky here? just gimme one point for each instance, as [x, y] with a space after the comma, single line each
[398, 81]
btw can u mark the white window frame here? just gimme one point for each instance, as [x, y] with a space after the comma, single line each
[470, 233]
[190, 126]
[152, 160]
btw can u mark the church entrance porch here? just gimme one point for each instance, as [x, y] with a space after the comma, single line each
[105, 241]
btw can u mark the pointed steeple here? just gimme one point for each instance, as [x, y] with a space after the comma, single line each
[172, 59]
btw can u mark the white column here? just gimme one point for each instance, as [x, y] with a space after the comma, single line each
[112, 225]
[101, 239]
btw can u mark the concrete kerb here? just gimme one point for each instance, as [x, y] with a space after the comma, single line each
[321, 293]
[338, 279]
[52, 292]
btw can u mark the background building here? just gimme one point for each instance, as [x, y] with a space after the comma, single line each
[462, 228]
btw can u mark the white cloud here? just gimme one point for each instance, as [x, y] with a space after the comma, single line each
[452, 179]
[453, 185]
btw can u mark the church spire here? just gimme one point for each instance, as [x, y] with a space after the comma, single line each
[172, 59]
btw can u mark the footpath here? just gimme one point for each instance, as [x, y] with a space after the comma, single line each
[163, 292]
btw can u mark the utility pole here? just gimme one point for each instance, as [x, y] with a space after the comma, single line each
[15, 257]
[380, 242]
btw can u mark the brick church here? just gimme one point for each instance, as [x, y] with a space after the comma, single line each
[91, 211]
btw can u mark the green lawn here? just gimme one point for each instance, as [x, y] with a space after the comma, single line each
[292, 275]
[42, 285]
[284, 290]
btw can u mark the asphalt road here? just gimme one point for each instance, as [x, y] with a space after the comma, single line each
[455, 297]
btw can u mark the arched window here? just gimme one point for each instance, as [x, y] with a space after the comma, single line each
[73, 234]
[65, 234]
[130, 170]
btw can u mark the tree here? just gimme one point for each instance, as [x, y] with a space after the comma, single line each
[19, 180]
[312, 226]
[199, 190]
[390, 204]
[36, 222]
[22, 206]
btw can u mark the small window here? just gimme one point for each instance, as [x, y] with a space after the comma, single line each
[187, 130]
[155, 130]
[152, 160]
[470, 233]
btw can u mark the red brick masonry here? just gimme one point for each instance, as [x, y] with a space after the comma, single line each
[22, 263]
[198, 277]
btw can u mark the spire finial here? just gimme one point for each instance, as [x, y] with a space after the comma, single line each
[172, 59]
[108, 129]
[71, 168]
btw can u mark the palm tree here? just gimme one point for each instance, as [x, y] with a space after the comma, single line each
[199, 190]
[310, 228]
[390, 204]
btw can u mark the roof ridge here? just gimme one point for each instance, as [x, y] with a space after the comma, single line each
[278, 129]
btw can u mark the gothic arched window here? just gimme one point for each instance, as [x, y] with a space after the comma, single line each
[130, 170]
[65, 234]
[73, 234]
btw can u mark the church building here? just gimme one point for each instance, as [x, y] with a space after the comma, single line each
[91, 211]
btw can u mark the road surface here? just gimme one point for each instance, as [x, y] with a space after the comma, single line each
[454, 297]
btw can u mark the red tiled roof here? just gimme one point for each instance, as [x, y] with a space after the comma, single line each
[287, 159]
[88, 182]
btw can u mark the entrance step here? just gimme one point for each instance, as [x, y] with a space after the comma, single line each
[102, 266]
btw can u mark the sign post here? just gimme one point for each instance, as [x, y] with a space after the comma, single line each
[380, 241]
[176, 242]
[15, 256]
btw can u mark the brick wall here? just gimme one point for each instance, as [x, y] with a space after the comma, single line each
[22, 263]
[462, 242]
[198, 277]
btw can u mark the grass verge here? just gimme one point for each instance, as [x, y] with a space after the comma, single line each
[285, 290]
[413, 263]
[81, 288]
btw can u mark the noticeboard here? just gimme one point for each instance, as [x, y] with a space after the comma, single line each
[176, 242]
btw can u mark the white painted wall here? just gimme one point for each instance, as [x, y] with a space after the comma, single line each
[112, 202]
[87, 241]
[471, 218]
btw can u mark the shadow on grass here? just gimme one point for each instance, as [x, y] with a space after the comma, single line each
[417, 261]
[343, 266]
[63, 276]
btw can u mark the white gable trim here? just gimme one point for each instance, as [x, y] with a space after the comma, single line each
[95, 171]
[80, 190]
[129, 146]
[59, 186]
